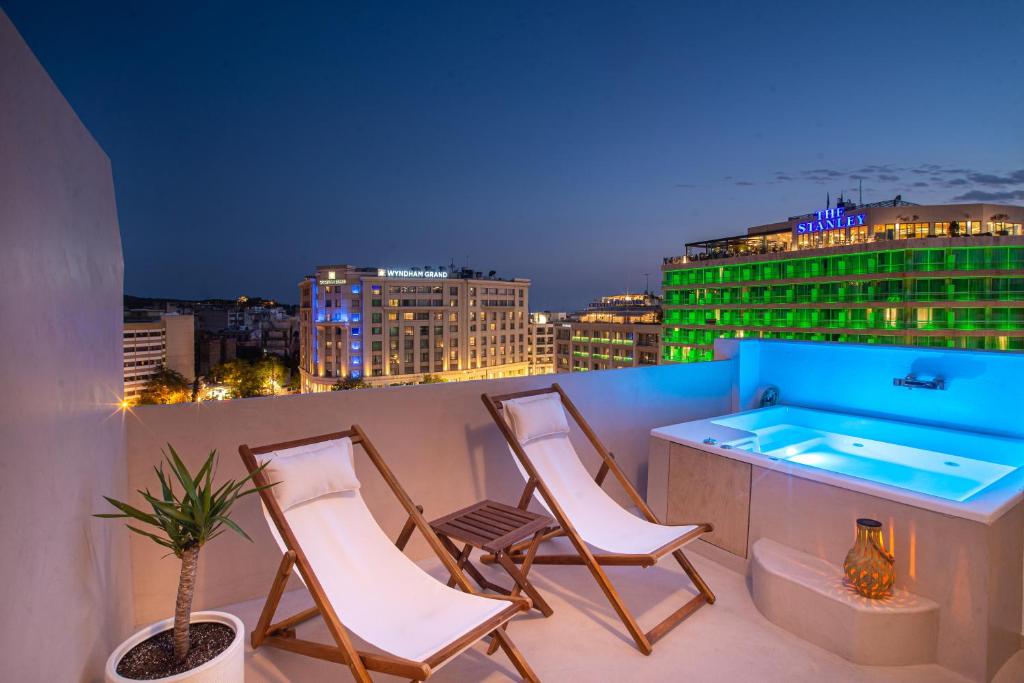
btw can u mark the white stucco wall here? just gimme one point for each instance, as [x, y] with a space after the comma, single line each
[64, 582]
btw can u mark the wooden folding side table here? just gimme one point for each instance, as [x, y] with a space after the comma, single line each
[493, 527]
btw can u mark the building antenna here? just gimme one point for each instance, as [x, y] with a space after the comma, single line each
[860, 191]
[647, 283]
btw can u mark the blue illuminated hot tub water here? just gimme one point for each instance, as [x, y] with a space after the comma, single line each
[968, 474]
[944, 475]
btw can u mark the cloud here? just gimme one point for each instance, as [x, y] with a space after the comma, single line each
[1012, 178]
[875, 168]
[983, 196]
[821, 175]
[690, 185]
[971, 184]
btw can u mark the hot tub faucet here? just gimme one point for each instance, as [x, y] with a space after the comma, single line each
[912, 382]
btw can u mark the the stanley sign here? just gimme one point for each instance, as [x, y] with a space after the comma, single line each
[830, 219]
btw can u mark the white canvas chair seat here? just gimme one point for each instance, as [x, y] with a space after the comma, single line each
[378, 592]
[597, 517]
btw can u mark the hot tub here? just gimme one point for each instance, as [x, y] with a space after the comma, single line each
[793, 481]
[971, 475]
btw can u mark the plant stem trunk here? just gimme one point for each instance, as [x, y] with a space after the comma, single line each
[183, 606]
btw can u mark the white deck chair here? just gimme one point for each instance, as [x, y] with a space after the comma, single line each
[361, 582]
[601, 531]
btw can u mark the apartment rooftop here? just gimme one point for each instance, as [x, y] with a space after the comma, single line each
[442, 446]
[425, 272]
[76, 586]
[889, 223]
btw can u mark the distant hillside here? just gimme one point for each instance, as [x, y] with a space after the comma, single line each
[158, 302]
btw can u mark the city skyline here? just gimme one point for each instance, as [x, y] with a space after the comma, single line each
[573, 147]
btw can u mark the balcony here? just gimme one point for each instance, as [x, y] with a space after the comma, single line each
[441, 443]
[75, 586]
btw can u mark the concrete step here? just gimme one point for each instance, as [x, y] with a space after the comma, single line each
[806, 596]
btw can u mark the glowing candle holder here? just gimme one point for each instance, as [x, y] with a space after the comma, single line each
[869, 568]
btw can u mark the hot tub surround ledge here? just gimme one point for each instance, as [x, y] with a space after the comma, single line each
[806, 596]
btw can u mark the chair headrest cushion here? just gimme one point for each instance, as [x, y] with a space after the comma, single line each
[307, 472]
[535, 416]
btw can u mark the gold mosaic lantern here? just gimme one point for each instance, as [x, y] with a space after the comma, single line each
[870, 568]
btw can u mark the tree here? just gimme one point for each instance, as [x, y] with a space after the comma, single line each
[350, 382]
[166, 386]
[431, 379]
[237, 375]
[271, 374]
[264, 377]
[184, 523]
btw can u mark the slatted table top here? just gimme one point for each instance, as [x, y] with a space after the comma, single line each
[490, 525]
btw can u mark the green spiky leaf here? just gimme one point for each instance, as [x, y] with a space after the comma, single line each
[198, 514]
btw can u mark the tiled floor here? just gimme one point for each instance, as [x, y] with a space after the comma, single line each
[584, 641]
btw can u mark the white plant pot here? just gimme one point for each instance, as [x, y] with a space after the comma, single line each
[227, 667]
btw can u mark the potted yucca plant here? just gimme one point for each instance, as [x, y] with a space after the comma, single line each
[188, 511]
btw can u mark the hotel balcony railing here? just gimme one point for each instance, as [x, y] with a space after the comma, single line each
[752, 246]
[1016, 325]
[955, 259]
[747, 298]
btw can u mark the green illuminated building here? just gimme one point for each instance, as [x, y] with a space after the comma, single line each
[889, 273]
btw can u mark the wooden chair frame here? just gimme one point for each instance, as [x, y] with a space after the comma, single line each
[584, 556]
[281, 634]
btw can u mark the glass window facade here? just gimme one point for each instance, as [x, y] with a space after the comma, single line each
[954, 297]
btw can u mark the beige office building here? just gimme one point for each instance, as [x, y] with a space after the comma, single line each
[542, 342]
[619, 331]
[397, 325]
[153, 340]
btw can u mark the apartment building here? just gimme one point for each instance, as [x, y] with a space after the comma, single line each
[542, 341]
[154, 339]
[891, 272]
[398, 325]
[618, 331]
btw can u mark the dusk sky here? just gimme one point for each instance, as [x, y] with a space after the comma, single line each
[575, 145]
